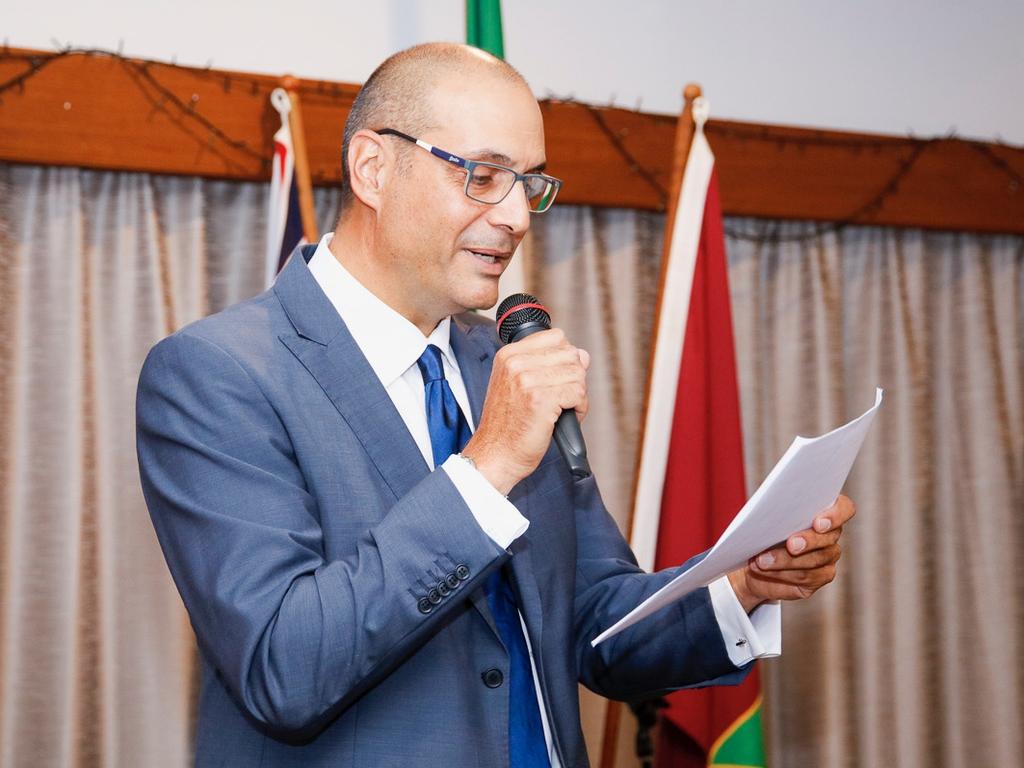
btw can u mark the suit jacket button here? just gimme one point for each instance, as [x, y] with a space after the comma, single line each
[492, 678]
[452, 581]
[424, 605]
[434, 597]
[462, 572]
[443, 589]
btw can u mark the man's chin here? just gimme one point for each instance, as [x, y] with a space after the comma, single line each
[484, 298]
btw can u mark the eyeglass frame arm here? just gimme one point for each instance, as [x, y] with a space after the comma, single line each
[468, 165]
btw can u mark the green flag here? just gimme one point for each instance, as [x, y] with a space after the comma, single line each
[483, 26]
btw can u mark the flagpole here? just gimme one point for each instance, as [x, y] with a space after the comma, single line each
[303, 179]
[685, 129]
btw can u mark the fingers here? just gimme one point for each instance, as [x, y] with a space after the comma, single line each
[548, 357]
[800, 586]
[530, 376]
[546, 342]
[551, 338]
[582, 408]
[835, 516]
[544, 349]
[824, 530]
[798, 548]
[547, 361]
[808, 574]
[804, 563]
[584, 359]
[561, 386]
[777, 574]
[824, 533]
[776, 561]
[532, 382]
[808, 541]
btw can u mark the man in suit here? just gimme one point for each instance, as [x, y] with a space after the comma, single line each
[384, 559]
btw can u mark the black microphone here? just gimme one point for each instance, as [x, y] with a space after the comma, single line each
[520, 315]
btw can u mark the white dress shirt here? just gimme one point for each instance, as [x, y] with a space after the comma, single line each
[392, 345]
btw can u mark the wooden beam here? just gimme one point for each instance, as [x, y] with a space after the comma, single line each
[785, 173]
[104, 112]
[101, 111]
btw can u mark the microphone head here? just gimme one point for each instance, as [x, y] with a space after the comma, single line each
[520, 310]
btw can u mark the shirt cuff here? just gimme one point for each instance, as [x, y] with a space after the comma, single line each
[496, 515]
[757, 636]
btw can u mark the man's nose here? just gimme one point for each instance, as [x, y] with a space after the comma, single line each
[513, 212]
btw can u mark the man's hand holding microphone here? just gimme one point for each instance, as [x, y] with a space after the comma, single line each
[537, 376]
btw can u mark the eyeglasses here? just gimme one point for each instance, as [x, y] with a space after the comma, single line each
[490, 183]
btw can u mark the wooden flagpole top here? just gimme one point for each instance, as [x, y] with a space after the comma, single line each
[302, 173]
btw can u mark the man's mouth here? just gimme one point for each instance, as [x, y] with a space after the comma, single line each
[490, 256]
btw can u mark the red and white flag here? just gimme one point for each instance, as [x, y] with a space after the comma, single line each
[284, 217]
[691, 481]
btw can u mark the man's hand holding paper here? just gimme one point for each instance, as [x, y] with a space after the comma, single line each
[799, 568]
[800, 494]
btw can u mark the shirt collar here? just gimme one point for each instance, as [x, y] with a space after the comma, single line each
[390, 343]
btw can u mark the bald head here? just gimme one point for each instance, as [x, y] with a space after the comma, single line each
[411, 229]
[401, 93]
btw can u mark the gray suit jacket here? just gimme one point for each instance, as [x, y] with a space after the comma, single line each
[333, 580]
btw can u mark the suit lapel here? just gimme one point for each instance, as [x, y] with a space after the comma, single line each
[324, 346]
[475, 355]
[475, 359]
[529, 595]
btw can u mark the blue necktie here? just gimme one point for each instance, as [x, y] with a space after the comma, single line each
[449, 433]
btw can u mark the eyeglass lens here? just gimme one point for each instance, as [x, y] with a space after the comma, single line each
[490, 184]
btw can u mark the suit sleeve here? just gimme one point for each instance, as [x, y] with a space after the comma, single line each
[681, 646]
[295, 636]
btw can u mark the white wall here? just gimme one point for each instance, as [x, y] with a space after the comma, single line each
[921, 66]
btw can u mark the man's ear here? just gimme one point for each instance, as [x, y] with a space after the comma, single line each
[368, 158]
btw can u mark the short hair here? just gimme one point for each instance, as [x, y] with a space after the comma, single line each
[396, 95]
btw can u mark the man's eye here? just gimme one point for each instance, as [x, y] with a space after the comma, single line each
[482, 177]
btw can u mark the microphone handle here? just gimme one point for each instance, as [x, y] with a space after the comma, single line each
[568, 435]
[569, 439]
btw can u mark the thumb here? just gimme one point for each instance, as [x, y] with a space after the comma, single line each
[584, 358]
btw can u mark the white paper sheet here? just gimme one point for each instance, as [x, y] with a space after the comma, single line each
[805, 481]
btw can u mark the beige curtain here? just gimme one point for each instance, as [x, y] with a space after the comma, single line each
[909, 660]
[913, 658]
[96, 655]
